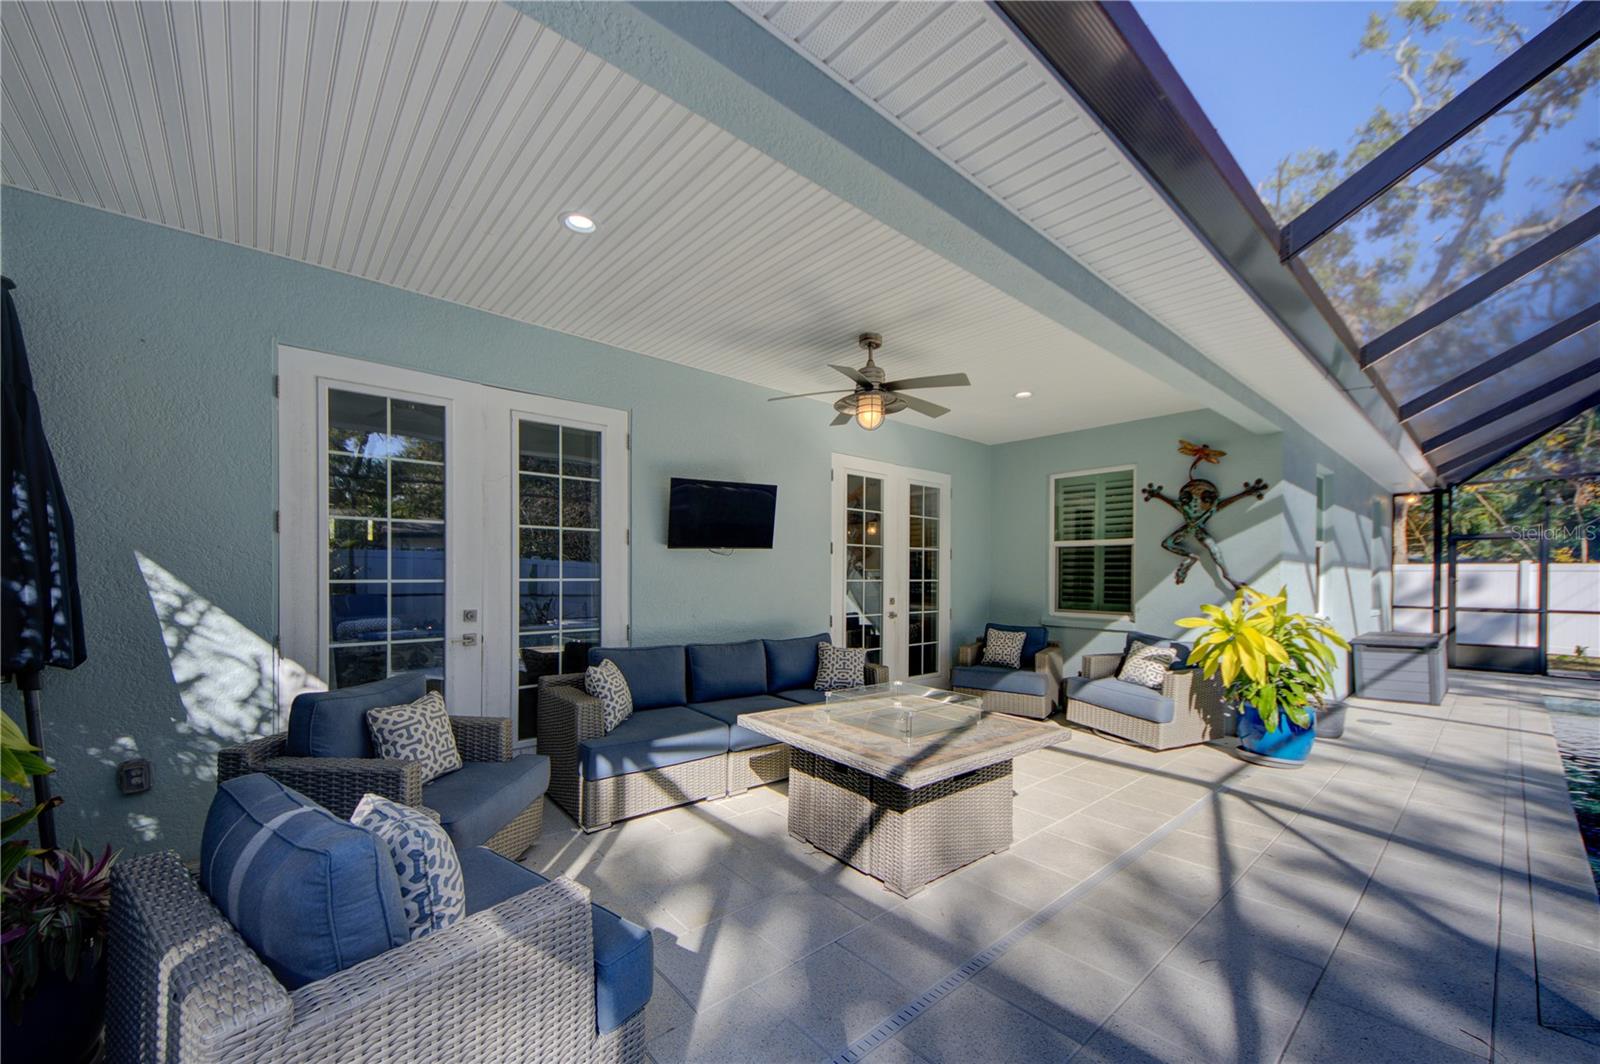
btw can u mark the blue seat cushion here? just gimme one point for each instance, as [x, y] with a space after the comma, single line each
[1129, 699]
[623, 954]
[312, 894]
[481, 797]
[805, 696]
[999, 679]
[726, 670]
[654, 738]
[334, 723]
[1037, 638]
[728, 709]
[655, 675]
[1161, 641]
[792, 663]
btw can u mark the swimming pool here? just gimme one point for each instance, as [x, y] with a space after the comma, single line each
[1576, 723]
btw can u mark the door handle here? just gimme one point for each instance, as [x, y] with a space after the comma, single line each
[893, 615]
[470, 639]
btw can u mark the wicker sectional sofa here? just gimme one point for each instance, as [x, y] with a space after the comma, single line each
[683, 743]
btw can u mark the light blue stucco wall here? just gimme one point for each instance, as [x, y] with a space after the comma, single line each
[1267, 543]
[153, 353]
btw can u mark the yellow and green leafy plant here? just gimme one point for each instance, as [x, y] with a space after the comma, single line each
[1268, 657]
[19, 763]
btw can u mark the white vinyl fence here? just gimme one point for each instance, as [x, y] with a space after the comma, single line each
[1506, 586]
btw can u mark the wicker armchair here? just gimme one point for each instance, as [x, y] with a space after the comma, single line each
[514, 982]
[1049, 662]
[1199, 707]
[337, 783]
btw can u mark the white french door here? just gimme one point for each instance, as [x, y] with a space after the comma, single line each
[891, 566]
[429, 523]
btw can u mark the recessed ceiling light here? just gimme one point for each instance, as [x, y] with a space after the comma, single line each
[578, 223]
[1024, 395]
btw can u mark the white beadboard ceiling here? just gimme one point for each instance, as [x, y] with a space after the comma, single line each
[434, 146]
[958, 78]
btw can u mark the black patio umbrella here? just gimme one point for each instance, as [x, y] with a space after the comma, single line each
[43, 617]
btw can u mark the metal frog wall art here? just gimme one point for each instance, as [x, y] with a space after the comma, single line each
[1197, 503]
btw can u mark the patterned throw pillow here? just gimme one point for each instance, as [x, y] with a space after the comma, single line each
[417, 732]
[840, 668]
[432, 893]
[1146, 664]
[1001, 647]
[606, 682]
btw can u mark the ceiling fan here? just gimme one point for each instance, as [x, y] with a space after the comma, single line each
[874, 398]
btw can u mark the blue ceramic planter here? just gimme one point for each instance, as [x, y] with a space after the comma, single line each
[1286, 746]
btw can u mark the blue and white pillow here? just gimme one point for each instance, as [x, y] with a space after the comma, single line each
[432, 893]
[606, 683]
[417, 732]
[1146, 664]
[840, 668]
[1003, 647]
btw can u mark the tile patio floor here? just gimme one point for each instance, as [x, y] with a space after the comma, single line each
[1418, 892]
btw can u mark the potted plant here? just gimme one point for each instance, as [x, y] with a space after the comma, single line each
[1277, 665]
[52, 929]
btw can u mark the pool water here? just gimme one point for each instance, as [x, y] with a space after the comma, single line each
[1576, 723]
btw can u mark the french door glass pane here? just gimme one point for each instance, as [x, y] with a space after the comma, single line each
[557, 568]
[386, 528]
[922, 605]
[863, 589]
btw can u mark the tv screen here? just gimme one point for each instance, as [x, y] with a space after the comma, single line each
[719, 513]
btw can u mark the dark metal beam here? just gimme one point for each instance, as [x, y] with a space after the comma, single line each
[1588, 371]
[1504, 360]
[1476, 461]
[1545, 52]
[1482, 287]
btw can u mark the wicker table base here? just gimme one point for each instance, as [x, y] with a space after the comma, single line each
[905, 837]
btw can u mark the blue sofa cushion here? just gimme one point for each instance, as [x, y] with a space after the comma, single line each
[312, 894]
[1037, 639]
[1129, 699]
[792, 663]
[1161, 641]
[655, 675]
[623, 954]
[805, 696]
[334, 723]
[670, 735]
[481, 797]
[728, 709]
[1000, 679]
[726, 670]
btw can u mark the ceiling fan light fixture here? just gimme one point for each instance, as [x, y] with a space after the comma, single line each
[869, 410]
[1023, 395]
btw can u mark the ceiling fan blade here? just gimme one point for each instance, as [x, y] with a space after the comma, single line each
[852, 374]
[841, 419]
[805, 395]
[922, 406]
[941, 380]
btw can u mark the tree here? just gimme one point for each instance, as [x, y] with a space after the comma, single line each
[1468, 208]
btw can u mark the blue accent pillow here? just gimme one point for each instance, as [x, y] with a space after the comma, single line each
[656, 675]
[726, 670]
[792, 663]
[334, 723]
[310, 893]
[1037, 639]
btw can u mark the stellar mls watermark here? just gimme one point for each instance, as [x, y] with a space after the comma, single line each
[1589, 531]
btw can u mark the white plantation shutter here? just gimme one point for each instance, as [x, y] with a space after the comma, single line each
[1093, 553]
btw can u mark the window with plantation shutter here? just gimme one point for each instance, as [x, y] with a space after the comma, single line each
[1092, 548]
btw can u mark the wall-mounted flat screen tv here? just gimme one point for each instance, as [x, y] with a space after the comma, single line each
[718, 514]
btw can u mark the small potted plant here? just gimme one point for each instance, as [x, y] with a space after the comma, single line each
[52, 929]
[1277, 665]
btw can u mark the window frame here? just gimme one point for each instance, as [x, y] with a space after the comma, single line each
[1053, 583]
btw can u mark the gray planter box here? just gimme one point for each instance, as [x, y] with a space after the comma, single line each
[1330, 721]
[1399, 666]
